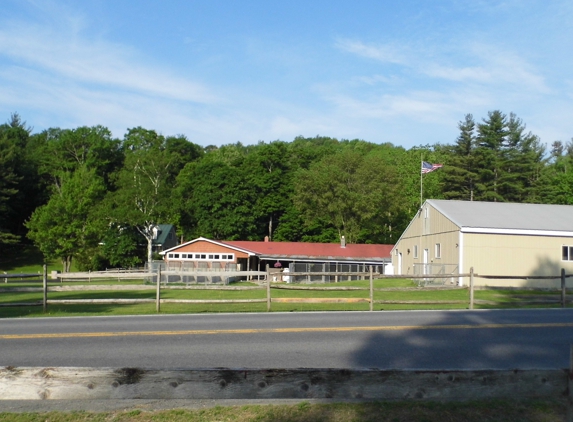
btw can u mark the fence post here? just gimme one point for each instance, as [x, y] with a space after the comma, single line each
[371, 290]
[471, 287]
[563, 289]
[268, 290]
[158, 294]
[45, 286]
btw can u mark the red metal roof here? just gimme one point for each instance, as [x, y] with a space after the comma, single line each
[314, 250]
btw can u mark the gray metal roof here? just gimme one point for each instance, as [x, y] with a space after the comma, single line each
[163, 232]
[505, 215]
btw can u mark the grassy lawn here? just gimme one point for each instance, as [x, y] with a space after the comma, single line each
[26, 259]
[490, 410]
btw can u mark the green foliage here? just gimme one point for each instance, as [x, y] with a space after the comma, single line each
[495, 160]
[65, 150]
[120, 247]
[20, 189]
[348, 190]
[65, 227]
[9, 181]
[555, 183]
[216, 202]
[143, 188]
[460, 176]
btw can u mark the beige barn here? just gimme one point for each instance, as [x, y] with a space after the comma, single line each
[495, 238]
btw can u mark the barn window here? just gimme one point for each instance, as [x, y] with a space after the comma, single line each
[211, 257]
[415, 251]
[438, 250]
[567, 254]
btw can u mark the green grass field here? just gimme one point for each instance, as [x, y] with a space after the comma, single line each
[26, 259]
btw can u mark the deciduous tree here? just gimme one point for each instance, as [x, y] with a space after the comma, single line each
[65, 227]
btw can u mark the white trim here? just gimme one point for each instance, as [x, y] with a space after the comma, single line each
[418, 214]
[225, 245]
[553, 233]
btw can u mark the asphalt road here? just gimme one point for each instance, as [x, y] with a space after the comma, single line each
[497, 339]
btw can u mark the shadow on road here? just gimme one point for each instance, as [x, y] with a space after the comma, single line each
[463, 347]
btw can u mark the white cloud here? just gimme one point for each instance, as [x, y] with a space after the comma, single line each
[66, 54]
[490, 64]
[377, 79]
[383, 53]
[421, 106]
[462, 74]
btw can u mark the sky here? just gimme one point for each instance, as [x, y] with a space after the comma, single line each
[226, 71]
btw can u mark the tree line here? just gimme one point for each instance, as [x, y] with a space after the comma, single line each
[81, 194]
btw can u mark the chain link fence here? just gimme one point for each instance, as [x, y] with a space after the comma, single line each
[304, 267]
[449, 272]
[188, 272]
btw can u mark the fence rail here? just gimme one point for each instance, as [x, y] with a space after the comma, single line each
[159, 285]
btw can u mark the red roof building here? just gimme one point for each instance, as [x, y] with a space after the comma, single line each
[296, 256]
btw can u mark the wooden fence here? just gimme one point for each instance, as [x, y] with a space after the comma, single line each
[159, 286]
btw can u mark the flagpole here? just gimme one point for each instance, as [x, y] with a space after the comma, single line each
[420, 267]
[421, 180]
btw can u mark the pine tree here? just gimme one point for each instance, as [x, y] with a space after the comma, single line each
[459, 173]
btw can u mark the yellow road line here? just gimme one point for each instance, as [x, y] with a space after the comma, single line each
[281, 330]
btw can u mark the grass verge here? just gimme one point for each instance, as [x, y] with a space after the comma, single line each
[491, 410]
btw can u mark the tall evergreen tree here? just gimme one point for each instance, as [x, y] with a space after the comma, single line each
[491, 137]
[555, 182]
[460, 177]
[506, 159]
[19, 181]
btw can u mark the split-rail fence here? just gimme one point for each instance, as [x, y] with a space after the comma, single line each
[264, 282]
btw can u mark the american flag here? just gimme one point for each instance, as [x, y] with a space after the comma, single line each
[428, 167]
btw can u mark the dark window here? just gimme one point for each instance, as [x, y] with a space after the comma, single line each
[567, 253]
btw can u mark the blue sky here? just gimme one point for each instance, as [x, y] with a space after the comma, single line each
[222, 71]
